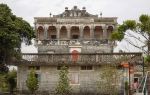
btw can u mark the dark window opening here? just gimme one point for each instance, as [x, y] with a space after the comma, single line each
[83, 67]
[59, 67]
[34, 67]
[38, 77]
[75, 36]
[53, 36]
[86, 67]
[89, 67]
[136, 80]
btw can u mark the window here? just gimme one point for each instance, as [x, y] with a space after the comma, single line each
[75, 36]
[59, 67]
[136, 79]
[74, 78]
[53, 36]
[38, 76]
[34, 67]
[86, 67]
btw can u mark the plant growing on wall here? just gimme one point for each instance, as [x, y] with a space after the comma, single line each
[108, 80]
[63, 87]
[32, 82]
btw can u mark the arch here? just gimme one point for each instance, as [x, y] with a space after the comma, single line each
[63, 32]
[75, 32]
[52, 32]
[109, 31]
[40, 33]
[98, 32]
[86, 32]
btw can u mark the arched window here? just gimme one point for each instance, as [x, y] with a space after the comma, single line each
[98, 32]
[75, 34]
[109, 31]
[86, 32]
[52, 32]
[40, 33]
[63, 32]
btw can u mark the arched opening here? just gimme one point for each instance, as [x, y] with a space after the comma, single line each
[40, 33]
[109, 31]
[75, 34]
[86, 32]
[98, 32]
[63, 32]
[52, 32]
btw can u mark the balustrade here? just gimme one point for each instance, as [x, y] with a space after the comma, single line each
[89, 58]
[93, 42]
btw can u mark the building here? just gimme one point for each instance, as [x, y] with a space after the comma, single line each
[75, 38]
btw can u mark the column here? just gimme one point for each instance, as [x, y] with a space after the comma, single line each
[58, 32]
[91, 32]
[45, 32]
[36, 32]
[81, 32]
[68, 32]
[105, 32]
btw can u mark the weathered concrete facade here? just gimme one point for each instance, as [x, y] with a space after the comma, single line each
[74, 27]
[73, 30]
[49, 75]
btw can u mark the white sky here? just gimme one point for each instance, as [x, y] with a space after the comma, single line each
[123, 9]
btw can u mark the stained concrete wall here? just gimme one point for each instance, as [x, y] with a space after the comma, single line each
[65, 49]
[49, 76]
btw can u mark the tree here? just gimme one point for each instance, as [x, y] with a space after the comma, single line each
[13, 31]
[11, 80]
[140, 33]
[3, 82]
[108, 80]
[8, 81]
[32, 82]
[63, 87]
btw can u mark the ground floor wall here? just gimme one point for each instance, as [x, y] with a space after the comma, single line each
[83, 79]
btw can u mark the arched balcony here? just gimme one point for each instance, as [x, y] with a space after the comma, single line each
[75, 32]
[86, 32]
[63, 32]
[40, 33]
[52, 32]
[98, 32]
[109, 31]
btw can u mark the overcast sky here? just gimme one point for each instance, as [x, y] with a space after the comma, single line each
[123, 9]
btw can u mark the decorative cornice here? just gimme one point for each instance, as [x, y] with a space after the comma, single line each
[75, 12]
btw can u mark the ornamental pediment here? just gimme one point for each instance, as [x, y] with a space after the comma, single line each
[75, 12]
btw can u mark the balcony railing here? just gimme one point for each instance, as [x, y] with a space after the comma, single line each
[74, 42]
[79, 59]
